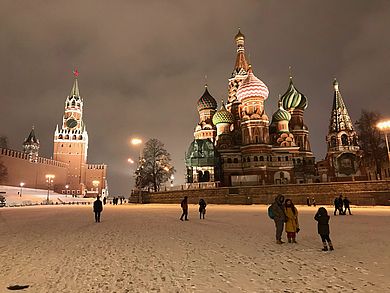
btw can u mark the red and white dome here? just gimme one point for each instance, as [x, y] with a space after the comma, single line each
[252, 87]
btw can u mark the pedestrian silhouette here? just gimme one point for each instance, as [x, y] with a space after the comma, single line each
[97, 209]
[184, 206]
[323, 218]
[202, 208]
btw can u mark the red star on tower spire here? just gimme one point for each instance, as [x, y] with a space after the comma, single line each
[75, 72]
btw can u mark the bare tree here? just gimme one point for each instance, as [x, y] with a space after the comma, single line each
[154, 167]
[371, 139]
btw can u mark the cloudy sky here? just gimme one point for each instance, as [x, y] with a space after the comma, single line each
[142, 66]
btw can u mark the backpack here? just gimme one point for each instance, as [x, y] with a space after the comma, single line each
[270, 212]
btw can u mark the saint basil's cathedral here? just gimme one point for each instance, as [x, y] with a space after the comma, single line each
[240, 145]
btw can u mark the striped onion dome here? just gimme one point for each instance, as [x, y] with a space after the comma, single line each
[252, 87]
[223, 116]
[293, 99]
[281, 114]
[206, 101]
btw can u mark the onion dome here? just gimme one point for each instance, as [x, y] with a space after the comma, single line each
[252, 87]
[239, 35]
[223, 116]
[281, 114]
[206, 101]
[293, 99]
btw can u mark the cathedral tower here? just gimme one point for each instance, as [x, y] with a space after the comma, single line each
[343, 154]
[240, 72]
[71, 140]
[31, 146]
[206, 108]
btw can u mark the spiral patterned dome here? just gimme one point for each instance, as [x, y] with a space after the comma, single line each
[223, 116]
[281, 114]
[206, 101]
[252, 87]
[293, 99]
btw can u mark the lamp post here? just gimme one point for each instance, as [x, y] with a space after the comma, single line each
[385, 127]
[66, 188]
[21, 188]
[49, 180]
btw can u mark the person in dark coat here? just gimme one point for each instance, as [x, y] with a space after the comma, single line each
[341, 212]
[322, 219]
[202, 208]
[347, 202]
[279, 217]
[104, 200]
[308, 201]
[97, 209]
[336, 205]
[184, 206]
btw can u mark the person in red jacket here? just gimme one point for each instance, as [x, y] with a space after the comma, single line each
[184, 206]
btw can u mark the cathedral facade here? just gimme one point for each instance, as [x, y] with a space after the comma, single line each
[239, 144]
[72, 174]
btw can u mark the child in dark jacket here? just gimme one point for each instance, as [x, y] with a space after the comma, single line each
[322, 218]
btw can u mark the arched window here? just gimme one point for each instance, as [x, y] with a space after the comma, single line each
[255, 158]
[248, 159]
[80, 137]
[73, 103]
[279, 159]
[235, 160]
[286, 158]
[60, 136]
[261, 158]
[243, 159]
[344, 139]
[229, 160]
[74, 137]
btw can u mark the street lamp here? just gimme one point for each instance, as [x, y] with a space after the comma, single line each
[49, 180]
[172, 178]
[385, 127]
[21, 188]
[66, 188]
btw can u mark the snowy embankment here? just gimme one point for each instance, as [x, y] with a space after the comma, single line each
[16, 196]
[145, 248]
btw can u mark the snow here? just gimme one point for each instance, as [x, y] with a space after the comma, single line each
[146, 248]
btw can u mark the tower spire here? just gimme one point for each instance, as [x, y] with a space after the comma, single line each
[241, 61]
[75, 88]
[340, 119]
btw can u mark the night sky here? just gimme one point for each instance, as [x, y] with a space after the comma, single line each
[143, 64]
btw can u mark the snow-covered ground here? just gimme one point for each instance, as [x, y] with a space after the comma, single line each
[145, 248]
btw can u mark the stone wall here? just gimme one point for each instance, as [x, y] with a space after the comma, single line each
[360, 193]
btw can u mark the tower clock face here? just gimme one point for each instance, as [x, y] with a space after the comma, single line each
[71, 123]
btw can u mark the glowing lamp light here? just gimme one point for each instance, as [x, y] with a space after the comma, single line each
[384, 125]
[136, 141]
[130, 160]
[21, 184]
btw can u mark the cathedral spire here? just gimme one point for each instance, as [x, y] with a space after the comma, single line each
[340, 119]
[241, 65]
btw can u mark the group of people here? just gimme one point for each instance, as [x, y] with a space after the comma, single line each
[184, 207]
[285, 216]
[340, 203]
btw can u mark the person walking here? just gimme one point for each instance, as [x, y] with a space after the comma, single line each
[347, 202]
[322, 219]
[292, 225]
[308, 201]
[202, 208]
[341, 212]
[313, 200]
[184, 206]
[97, 209]
[104, 200]
[276, 212]
[336, 205]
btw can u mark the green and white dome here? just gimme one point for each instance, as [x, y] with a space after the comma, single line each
[223, 116]
[281, 114]
[293, 99]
